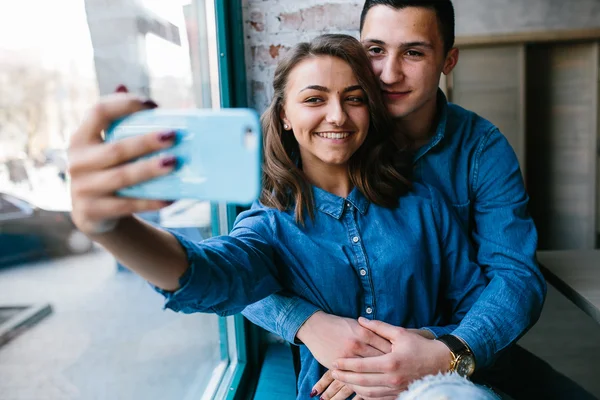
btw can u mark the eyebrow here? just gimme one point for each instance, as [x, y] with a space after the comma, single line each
[402, 45]
[326, 90]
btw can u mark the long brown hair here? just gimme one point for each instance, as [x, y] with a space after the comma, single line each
[379, 168]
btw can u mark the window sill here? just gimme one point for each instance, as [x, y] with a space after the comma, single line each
[277, 379]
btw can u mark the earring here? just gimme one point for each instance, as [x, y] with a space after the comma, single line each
[286, 127]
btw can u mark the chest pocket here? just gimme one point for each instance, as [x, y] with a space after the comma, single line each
[463, 212]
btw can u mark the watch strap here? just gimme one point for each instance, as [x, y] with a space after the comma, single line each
[456, 346]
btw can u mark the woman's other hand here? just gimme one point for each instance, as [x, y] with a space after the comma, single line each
[329, 337]
[330, 389]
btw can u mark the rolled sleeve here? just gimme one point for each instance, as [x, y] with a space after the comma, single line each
[478, 341]
[298, 314]
[480, 346]
[225, 274]
[172, 296]
[281, 314]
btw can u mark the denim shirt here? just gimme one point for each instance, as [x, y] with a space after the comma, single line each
[472, 164]
[410, 266]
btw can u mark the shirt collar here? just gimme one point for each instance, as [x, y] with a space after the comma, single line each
[333, 205]
[440, 132]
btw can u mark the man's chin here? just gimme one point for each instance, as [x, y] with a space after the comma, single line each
[398, 111]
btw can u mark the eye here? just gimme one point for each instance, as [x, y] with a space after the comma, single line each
[313, 100]
[375, 51]
[414, 53]
[356, 99]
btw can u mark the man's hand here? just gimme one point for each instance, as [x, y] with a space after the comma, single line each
[329, 337]
[330, 389]
[413, 356]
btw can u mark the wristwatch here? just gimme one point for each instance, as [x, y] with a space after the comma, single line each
[463, 361]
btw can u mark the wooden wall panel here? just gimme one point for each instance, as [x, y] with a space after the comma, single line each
[490, 81]
[562, 131]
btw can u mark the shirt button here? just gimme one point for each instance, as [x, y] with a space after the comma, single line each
[348, 204]
[355, 239]
[363, 272]
[369, 310]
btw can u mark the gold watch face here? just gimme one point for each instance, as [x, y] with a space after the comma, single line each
[465, 365]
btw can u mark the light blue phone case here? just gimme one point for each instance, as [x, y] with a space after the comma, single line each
[218, 152]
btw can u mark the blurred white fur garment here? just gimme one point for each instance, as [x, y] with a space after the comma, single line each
[446, 387]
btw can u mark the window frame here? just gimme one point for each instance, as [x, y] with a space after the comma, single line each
[240, 379]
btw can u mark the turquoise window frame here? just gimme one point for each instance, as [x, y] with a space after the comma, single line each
[240, 380]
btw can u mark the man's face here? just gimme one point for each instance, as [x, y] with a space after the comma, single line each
[407, 54]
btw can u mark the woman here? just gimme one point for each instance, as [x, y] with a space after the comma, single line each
[335, 207]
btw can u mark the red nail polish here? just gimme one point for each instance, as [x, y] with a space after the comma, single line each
[314, 393]
[167, 136]
[149, 104]
[121, 89]
[168, 162]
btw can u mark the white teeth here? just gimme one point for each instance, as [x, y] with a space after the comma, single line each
[334, 135]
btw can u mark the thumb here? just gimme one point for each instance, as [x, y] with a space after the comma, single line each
[385, 330]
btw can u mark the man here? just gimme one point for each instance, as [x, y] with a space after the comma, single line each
[411, 43]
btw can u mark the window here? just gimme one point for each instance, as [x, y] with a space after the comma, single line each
[108, 336]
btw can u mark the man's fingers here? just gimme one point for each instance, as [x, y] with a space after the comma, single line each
[323, 383]
[394, 397]
[376, 398]
[365, 351]
[107, 110]
[383, 345]
[376, 392]
[379, 364]
[361, 379]
[386, 331]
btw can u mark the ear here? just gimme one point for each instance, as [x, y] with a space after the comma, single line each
[451, 61]
[284, 119]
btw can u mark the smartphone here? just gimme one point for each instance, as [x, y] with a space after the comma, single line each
[219, 154]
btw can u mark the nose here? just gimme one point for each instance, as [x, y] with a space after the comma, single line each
[336, 115]
[391, 71]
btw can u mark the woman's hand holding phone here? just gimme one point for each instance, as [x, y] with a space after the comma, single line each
[99, 169]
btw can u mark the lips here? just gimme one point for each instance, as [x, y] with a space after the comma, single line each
[395, 95]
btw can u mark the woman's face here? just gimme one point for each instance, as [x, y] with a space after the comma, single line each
[327, 111]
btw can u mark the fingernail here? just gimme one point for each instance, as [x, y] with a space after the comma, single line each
[167, 136]
[168, 203]
[314, 393]
[168, 162]
[121, 89]
[149, 104]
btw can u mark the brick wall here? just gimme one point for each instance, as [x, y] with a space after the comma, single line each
[272, 26]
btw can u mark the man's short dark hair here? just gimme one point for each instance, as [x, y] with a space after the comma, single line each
[443, 9]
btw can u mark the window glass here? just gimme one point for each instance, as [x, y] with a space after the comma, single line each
[107, 336]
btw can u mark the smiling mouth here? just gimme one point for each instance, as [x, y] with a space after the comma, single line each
[394, 94]
[333, 135]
